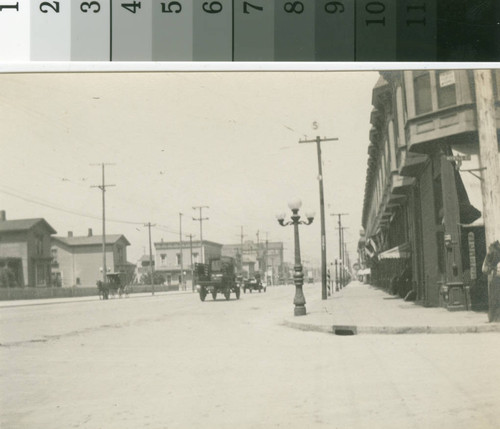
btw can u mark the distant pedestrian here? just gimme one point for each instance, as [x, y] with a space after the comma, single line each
[491, 267]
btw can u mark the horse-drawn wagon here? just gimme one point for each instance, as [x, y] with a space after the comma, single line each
[115, 284]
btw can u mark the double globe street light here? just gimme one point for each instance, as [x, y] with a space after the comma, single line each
[298, 276]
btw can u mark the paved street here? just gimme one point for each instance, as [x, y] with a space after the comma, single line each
[171, 361]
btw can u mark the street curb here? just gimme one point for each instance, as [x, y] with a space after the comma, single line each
[392, 330]
[90, 298]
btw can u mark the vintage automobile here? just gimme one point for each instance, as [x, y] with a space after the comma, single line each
[114, 285]
[218, 276]
[253, 283]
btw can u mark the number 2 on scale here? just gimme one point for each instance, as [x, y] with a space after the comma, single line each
[44, 5]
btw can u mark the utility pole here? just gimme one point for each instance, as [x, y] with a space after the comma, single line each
[151, 270]
[257, 253]
[103, 187]
[191, 251]
[344, 256]
[201, 219]
[490, 176]
[318, 141]
[266, 256]
[341, 247]
[342, 253]
[241, 249]
[181, 255]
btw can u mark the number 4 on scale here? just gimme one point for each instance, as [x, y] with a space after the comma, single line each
[132, 7]
[13, 6]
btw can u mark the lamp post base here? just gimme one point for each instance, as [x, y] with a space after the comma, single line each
[299, 310]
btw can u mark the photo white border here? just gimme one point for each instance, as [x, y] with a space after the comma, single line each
[193, 66]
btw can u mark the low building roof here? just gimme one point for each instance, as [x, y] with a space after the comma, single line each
[24, 225]
[92, 240]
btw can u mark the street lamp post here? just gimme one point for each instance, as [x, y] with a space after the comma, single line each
[298, 276]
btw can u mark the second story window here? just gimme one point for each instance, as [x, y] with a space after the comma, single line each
[178, 258]
[446, 88]
[163, 258]
[422, 87]
[53, 253]
[39, 244]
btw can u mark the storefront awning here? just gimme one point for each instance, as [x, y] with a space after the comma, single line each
[364, 272]
[412, 164]
[399, 252]
[470, 197]
[401, 182]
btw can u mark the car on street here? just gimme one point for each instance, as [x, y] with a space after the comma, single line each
[253, 283]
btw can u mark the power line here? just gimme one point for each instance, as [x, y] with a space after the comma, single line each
[54, 207]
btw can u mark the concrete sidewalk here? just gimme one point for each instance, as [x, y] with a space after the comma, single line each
[363, 309]
[47, 301]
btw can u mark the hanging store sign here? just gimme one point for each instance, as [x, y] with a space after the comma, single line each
[446, 78]
[472, 256]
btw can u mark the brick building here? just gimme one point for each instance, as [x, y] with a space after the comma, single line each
[422, 215]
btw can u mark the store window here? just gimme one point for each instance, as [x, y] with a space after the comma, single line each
[446, 88]
[422, 87]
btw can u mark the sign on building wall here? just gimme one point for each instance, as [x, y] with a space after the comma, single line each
[446, 78]
[472, 256]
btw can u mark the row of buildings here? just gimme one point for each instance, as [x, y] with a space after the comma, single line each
[423, 225]
[32, 255]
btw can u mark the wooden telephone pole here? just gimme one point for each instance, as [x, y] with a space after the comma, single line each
[490, 172]
[103, 187]
[318, 141]
[201, 219]
[151, 269]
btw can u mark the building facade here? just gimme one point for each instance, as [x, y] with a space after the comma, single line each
[77, 261]
[171, 258]
[424, 234]
[25, 251]
[265, 258]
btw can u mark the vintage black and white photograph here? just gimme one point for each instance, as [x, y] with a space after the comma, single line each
[250, 249]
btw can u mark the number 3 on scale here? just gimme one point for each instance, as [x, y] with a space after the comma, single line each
[86, 6]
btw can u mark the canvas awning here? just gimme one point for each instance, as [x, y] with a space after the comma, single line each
[399, 252]
[399, 183]
[412, 164]
[471, 204]
[364, 272]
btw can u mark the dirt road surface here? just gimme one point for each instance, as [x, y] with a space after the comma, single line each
[172, 361]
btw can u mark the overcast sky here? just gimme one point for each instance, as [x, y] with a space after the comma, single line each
[227, 140]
